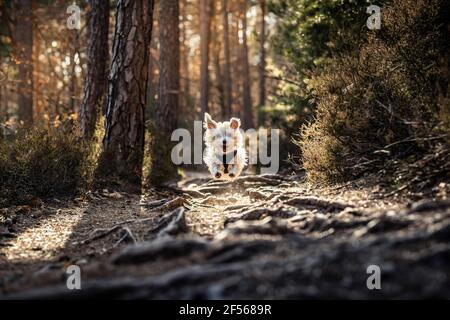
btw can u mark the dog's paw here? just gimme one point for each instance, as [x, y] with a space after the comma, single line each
[218, 175]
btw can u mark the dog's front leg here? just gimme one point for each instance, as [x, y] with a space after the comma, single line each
[233, 169]
[215, 171]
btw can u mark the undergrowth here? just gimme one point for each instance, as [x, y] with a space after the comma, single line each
[387, 99]
[44, 162]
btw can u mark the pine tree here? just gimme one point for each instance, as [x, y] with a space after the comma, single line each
[123, 144]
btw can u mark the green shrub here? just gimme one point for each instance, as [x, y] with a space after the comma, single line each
[383, 92]
[43, 163]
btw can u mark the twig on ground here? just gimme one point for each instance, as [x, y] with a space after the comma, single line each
[101, 233]
[127, 234]
[416, 139]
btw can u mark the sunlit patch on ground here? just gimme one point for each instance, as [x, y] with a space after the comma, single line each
[44, 241]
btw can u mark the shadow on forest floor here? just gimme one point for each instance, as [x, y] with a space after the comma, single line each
[269, 236]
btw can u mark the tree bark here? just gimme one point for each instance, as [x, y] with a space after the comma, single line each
[246, 88]
[3, 106]
[236, 66]
[227, 85]
[123, 144]
[184, 51]
[215, 54]
[205, 32]
[262, 55]
[166, 115]
[153, 83]
[23, 37]
[73, 87]
[219, 80]
[97, 56]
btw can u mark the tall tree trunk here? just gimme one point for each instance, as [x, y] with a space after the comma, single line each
[219, 80]
[37, 105]
[123, 144]
[227, 85]
[23, 38]
[166, 116]
[262, 55]
[205, 33]
[153, 83]
[246, 87]
[74, 48]
[3, 106]
[216, 49]
[185, 106]
[236, 66]
[97, 57]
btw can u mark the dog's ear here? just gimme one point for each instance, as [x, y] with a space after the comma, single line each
[209, 122]
[235, 123]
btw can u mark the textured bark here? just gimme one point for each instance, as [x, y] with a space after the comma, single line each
[262, 55]
[246, 87]
[227, 85]
[205, 34]
[3, 106]
[73, 86]
[236, 66]
[97, 57]
[186, 105]
[219, 80]
[216, 50]
[123, 144]
[23, 37]
[166, 115]
[153, 83]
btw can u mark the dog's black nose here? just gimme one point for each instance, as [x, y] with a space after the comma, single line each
[224, 141]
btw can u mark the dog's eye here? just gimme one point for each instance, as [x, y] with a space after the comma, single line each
[217, 136]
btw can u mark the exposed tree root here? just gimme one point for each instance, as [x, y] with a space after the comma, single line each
[271, 244]
[318, 203]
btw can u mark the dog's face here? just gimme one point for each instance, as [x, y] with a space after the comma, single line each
[223, 137]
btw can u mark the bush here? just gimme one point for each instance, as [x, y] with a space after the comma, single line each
[384, 92]
[43, 163]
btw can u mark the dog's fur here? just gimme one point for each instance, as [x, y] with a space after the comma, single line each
[224, 139]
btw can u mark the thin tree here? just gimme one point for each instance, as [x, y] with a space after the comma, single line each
[95, 84]
[227, 85]
[123, 143]
[23, 38]
[166, 115]
[205, 35]
[236, 63]
[246, 86]
[185, 106]
[215, 55]
[152, 87]
[262, 55]
[3, 106]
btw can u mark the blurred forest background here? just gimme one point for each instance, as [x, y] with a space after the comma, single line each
[97, 105]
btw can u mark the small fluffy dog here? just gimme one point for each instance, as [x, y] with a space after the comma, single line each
[225, 153]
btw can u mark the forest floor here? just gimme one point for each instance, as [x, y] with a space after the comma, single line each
[261, 236]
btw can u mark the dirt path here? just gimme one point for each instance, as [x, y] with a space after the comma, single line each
[267, 236]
